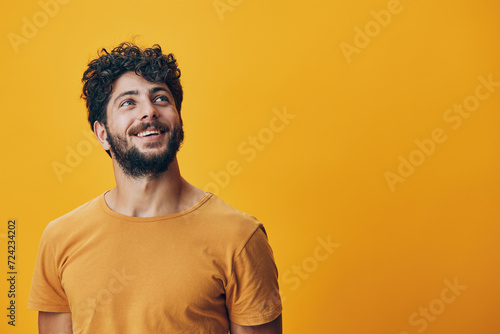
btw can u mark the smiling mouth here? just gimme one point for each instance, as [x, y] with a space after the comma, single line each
[149, 133]
[154, 130]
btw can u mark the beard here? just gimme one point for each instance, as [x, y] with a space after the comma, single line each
[137, 164]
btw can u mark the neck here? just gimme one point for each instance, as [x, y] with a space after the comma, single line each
[143, 197]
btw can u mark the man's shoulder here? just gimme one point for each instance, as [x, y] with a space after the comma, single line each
[222, 217]
[73, 218]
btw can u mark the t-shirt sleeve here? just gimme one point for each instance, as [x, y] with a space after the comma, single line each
[252, 293]
[47, 293]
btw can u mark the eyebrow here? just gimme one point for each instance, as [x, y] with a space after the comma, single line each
[129, 92]
[157, 89]
[136, 92]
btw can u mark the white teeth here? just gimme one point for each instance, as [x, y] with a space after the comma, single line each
[147, 133]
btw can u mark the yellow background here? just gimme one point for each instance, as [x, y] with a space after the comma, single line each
[322, 176]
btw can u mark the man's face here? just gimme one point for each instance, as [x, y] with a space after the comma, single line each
[143, 126]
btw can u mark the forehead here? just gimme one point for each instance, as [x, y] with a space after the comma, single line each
[130, 81]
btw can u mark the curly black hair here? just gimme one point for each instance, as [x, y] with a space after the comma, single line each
[103, 71]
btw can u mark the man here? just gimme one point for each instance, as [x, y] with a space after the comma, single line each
[155, 254]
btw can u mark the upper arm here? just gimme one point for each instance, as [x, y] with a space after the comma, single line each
[252, 292]
[54, 323]
[47, 293]
[273, 327]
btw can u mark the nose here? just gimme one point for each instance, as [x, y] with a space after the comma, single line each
[149, 110]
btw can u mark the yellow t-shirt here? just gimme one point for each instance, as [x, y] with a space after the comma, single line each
[188, 272]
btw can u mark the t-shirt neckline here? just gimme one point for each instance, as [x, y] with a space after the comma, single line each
[120, 216]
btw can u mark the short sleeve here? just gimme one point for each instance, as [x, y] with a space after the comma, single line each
[47, 293]
[252, 293]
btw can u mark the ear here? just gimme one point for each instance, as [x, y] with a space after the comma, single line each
[102, 135]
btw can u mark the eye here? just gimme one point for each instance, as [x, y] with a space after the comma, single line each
[126, 103]
[161, 98]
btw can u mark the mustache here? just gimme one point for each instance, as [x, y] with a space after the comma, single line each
[157, 125]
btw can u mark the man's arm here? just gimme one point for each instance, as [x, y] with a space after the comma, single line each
[273, 327]
[54, 323]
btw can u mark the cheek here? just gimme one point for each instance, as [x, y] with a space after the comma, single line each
[120, 126]
[174, 116]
